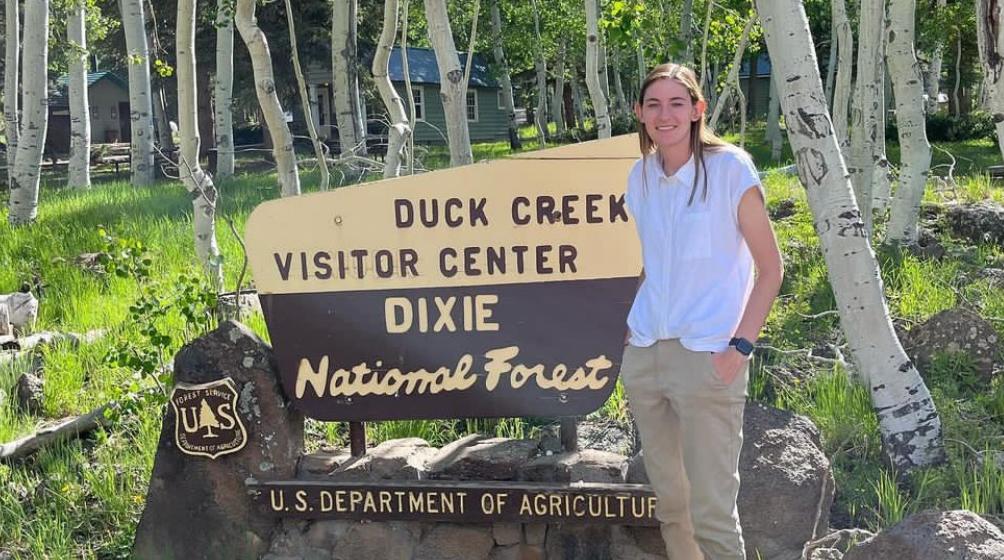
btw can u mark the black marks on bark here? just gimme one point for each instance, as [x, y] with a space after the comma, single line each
[877, 388]
[905, 366]
[813, 125]
[811, 166]
[853, 226]
[455, 76]
[792, 79]
[998, 117]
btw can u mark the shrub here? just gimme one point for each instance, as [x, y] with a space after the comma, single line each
[947, 128]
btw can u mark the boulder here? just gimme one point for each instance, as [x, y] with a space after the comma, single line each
[835, 544]
[956, 330]
[21, 308]
[197, 506]
[321, 463]
[29, 393]
[396, 459]
[982, 222]
[787, 485]
[578, 542]
[447, 541]
[784, 208]
[637, 543]
[478, 458]
[588, 465]
[934, 535]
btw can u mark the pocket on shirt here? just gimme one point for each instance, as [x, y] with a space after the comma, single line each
[694, 235]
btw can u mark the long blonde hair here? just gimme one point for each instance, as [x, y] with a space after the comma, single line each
[701, 136]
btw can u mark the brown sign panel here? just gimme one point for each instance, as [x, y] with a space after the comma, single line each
[206, 419]
[497, 289]
[459, 502]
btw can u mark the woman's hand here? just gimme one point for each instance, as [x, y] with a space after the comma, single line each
[728, 364]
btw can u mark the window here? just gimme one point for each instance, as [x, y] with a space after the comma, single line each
[95, 113]
[419, 94]
[115, 113]
[472, 105]
[501, 100]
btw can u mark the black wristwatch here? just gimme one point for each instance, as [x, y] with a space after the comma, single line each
[744, 346]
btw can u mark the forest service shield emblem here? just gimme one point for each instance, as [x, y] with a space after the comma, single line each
[206, 419]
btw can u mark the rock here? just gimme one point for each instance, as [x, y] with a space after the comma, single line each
[588, 465]
[390, 541]
[321, 464]
[635, 469]
[447, 541]
[578, 542]
[517, 552]
[782, 209]
[825, 554]
[198, 507]
[22, 309]
[637, 543]
[787, 485]
[535, 533]
[484, 459]
[91, 262]
[934, 535]
[994, 275]
[29, 393]
[982, 222]
[507, 533]
[927, 246]
[953, 331]
[396, 459]
[607, 435]
[247, 304]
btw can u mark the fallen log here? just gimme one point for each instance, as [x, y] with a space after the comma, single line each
[63, 430]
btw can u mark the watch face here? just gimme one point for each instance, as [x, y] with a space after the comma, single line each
[743, 346]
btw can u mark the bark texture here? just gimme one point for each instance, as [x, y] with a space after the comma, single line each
[915, 151]
[34, 117]
[540, 68]
[908, 420]
[991, 42]
[508, 102]
[80, 115]
[453, 90]
[264, 82]
[305, 101]
[224, 90]
[351, 136]
[594, 83]
[868, 105]
[845, 63]
[198, 183]
[400, 129]
[12, 77]
[140, 96]
[732, 79]
[932, 75]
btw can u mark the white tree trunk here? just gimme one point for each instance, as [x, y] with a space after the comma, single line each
[732, 79]
[831, 69]
[351, 137]
[34, 118]
[580, 110]
[452, 90]
[593, 76]
[908, 420]
[540, 66]
[400, 130]
[774, 135]
[224, 89]
[409, 92]
[558, 97]
[687, 31]
[80, 115]
[915, 151]
[867, 106]
[305, 100]
[991, 42]
[278, 129]
[932, 75]
[12, 75]
[162, 128]
[197, 181]
[140, 97]
[507, 96]
[622, 105]
[845, 67]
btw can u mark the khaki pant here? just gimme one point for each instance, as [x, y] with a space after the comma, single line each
[691, 433]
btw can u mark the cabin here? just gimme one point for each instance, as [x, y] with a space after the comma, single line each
[486, 118]
[108, 96]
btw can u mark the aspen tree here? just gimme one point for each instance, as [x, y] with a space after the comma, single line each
[223, 89]
[34, 117]
[80, 112]
[908, 421]
[452, 90]
[140, 97]
[601, 109]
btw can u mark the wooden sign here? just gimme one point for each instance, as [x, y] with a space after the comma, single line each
[490, 290]
[459, 502]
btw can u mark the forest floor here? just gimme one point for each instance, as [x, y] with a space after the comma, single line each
[82, 499]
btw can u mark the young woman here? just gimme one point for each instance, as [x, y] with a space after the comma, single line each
[700, 213]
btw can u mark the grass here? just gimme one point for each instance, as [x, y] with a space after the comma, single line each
[82, 499]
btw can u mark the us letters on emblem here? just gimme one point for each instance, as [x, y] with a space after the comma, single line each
[206, 419]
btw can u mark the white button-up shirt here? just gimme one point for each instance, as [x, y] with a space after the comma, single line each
[698, 269]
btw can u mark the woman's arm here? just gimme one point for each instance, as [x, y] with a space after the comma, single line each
[754, 224]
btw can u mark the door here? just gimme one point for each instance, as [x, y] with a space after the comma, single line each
[125, 123]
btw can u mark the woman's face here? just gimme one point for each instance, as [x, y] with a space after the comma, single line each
[668, 113]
